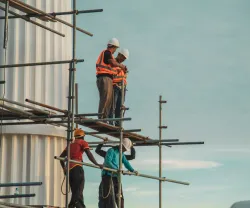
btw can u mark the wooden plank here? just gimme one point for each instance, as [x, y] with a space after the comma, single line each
[28, 9]
[104, 127]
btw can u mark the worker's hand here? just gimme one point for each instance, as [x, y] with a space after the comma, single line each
[100, 165]
[123, 67]
[136, 172]
[118, 70]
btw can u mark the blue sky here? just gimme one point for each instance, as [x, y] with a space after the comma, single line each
[196, 55]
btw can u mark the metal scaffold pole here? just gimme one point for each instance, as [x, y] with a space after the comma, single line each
[71, 101]
[160, 148]
[120, 155]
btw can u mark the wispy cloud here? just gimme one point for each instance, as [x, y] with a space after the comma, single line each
[140, 192]
[234, 150]
[177, 164]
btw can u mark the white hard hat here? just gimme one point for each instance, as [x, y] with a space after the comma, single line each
[114, 42]
[127, 143]
[124, 52]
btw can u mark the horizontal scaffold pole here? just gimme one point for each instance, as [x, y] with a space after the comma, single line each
[21, 184]
[46, 106]
[155, 144]
[137, 142]
[114, 132]
[56, 13]
[33, 22]
[25, 106]
[14, 205]
[16, 196]
[41, 63]
[41, 117]
[76, 120]
[123, 172]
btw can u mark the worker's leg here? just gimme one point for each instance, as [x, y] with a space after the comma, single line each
[76, 185]
[73, 186]
[116, 188]
[105, 87]
[112, 110]
[81, 188]
[105, 193]
[102, 95]
[118, 104]
[108, 107]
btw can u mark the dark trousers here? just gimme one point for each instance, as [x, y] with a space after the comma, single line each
[117, 104]
[76, 182]
[109, 194]
[105, 87]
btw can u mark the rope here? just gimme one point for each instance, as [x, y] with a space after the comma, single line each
[62, 186]
[111, 188]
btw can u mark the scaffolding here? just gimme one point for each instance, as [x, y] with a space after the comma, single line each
[70, 118]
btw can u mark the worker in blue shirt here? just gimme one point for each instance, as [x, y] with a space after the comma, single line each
[108, 189]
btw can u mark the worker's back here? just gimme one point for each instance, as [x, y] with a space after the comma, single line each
[76, 151]
[241, 204]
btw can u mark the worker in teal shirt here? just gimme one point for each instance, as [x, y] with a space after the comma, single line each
[108, 189]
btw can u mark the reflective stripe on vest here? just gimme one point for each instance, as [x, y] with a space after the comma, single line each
[119, 77]
[102, 68]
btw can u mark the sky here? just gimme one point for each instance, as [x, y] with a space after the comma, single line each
[196, 55]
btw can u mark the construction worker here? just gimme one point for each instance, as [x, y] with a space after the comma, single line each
[76, 172]
[117, 86]
[108, 189]
[105, 73]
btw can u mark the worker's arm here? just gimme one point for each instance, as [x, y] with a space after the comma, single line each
[132, 154]
[127, 164]
[91, 157]
[114, 63]
[108, 59]
[100, 152]
[109, 158]
[63, 154]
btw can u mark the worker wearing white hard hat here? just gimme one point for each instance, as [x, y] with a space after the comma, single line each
[110, 180]
[105, 72]
[120, 77]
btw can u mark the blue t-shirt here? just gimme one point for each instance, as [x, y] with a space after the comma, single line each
[112, 161]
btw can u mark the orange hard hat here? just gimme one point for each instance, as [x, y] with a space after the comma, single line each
[79, 133]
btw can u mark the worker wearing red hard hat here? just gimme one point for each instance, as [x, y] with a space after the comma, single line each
[76, 172]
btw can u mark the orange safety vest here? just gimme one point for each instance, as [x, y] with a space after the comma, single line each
[119, 77]
[102, 68]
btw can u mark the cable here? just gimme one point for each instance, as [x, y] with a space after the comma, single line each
[62, 186]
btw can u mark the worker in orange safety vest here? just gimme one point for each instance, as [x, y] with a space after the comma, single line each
[120, 76]
[105, 73]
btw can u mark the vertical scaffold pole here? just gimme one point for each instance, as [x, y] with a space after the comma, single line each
[76, 101]
[120, 155]
[71, 101]
[160, 152]
[6, 24]
[160, 148]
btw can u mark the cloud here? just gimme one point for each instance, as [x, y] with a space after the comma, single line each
[177, 164]
[234, 150]
[140, 192]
